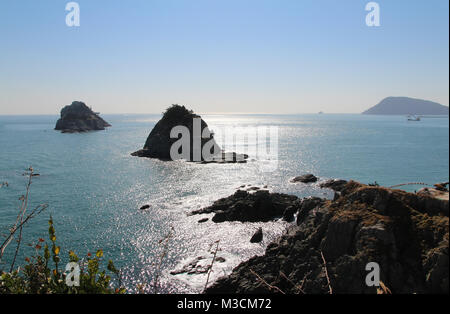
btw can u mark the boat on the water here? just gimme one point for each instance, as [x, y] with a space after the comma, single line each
[413, 118]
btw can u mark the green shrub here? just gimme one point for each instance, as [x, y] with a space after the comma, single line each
[43, 273]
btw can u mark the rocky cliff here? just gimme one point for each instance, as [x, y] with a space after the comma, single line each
[78, 117]
[329, 247]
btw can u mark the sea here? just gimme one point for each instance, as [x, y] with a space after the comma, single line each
[94, 188]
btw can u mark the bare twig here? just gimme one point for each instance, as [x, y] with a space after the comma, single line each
[165, 240]
[21, 219]
[36, 211]
[304, 280]
[21, 215]
[297, 287]
[212, 263]
[266, 283]
[384, 289]
[410, 183]
[326, 273]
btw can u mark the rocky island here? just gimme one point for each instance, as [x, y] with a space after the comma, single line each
[327, 249]
[407, 106]
[78, 117]
[160, 141]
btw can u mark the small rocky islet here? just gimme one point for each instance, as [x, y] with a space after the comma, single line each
[244, 206]
[306, 178]
[159, 141]
[407, 234]
[78, 117]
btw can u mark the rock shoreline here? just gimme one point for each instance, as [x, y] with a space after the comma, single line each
[406, 234]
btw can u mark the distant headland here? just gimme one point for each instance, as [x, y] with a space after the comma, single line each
[78, 117]
[407, 106]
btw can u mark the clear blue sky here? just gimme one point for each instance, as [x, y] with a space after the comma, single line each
[274, 56]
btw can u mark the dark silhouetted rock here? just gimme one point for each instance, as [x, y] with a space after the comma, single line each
[289, 212]
[257, 237]
[407, 106]
[249, 207]
[306, 178]
[441, 186]
[306, 205]
[198, 265]
[78, 117]
[159, 142]
[405, 233]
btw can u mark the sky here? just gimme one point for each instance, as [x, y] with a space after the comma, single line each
[249, 56]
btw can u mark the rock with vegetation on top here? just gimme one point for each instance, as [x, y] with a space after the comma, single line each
[159, 142]
[78, 117]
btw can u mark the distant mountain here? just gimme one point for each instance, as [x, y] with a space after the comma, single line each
[406, 105]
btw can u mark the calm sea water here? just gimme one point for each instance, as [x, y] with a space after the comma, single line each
[94, 187]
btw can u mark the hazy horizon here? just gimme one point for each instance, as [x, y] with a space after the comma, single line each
[257, 57]
[202, 113]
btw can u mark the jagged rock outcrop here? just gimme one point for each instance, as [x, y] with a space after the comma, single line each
[78, 117]
[198, 265]
[257, 236]
[249, 207]
[306, 178]
[159, 142]
[334, 184]
[439, 192]
[405, 233]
